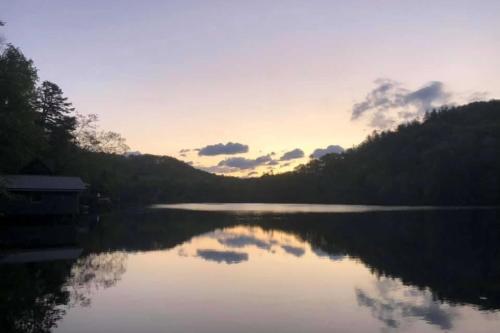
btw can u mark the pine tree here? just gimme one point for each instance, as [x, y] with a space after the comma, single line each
[20, 138]
[55, 112]
[58, 122]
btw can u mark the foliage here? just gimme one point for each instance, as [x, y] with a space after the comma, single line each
[89, 138]
[55, 113]
[451, 157]
[20, 138]
[38, 121]
[55, 117]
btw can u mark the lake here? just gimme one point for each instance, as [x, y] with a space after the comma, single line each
[256, 268]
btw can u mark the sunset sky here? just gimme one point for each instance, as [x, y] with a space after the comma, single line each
[270, 77]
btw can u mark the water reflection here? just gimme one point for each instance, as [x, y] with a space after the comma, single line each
[93, 272]
[239, 241]
[247, 238]
[211, 272]
[397, 306]
[228, 257]
[266, 208]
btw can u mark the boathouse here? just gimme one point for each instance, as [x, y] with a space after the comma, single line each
[40, 195]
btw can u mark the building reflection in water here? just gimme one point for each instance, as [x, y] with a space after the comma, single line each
[375, 272]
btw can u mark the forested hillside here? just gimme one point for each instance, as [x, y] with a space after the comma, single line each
[450, 157]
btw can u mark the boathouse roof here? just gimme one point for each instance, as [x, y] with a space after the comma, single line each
[42, 183]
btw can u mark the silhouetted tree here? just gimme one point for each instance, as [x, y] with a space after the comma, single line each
[90, 138]
[452, 156]
[58, 122]
[55, 113]
[20, 137]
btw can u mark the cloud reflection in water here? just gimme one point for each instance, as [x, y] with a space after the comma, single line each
[220, 245]
[396, 305]
[228, 257]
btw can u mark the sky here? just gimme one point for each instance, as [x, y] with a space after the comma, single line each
[259, 85]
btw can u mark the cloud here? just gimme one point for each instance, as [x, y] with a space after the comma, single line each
[390, 102]
[184, 152]
[234, 164]
[395, 312]
[228, 257]
[245, 163]
[229, 148]
[334, 257]
[133, 153]
[292, 155]
[293, 250]
[240, 241]
[478, 96]
[216, 169]
[331, 149]
[397, 305]
[381, 121]
[426, 97]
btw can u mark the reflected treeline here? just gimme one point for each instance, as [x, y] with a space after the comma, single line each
[38, 286]
[93, 272]
[454, 254]
[35, 296]
[32, 295]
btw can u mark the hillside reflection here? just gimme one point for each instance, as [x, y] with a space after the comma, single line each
[396, 305]
[432, 267]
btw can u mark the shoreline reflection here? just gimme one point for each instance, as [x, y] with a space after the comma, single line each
[392, 271]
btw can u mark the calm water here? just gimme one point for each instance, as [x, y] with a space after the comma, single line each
[265, 208]
[289, 270]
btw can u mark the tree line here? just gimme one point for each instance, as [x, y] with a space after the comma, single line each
[38, 121]
[452, 156]
[398, 245]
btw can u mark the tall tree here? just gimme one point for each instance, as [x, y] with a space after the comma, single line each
[20, 138]
[57, 120]
[55, 111]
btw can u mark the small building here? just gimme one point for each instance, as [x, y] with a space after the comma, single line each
[40, 195]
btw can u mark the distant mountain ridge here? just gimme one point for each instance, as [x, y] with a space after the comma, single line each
[452, 157]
